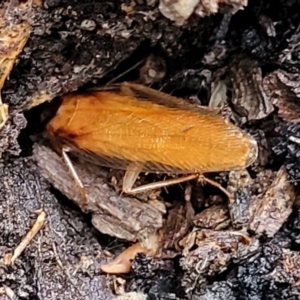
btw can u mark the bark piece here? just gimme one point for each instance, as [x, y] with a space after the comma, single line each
[119, 216]
[275, 206]
[283, 88]
[249, 98]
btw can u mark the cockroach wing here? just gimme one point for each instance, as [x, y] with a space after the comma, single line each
[116, 130]
[144, 93]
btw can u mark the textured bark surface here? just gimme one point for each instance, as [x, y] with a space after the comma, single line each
[116, 215]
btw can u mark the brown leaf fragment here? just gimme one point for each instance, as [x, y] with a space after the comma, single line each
[248, 96]
[283, 89]
[275, 207]
[119, 216]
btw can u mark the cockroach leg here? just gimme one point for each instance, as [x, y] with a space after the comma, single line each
[75, 176]
[202, 178]
[133, 172]
[128, 183]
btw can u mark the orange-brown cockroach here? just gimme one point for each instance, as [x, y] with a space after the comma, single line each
[139, 129]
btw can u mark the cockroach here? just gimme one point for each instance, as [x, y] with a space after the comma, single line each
[135, 128]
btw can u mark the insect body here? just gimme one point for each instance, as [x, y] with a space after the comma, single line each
[140, 129]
